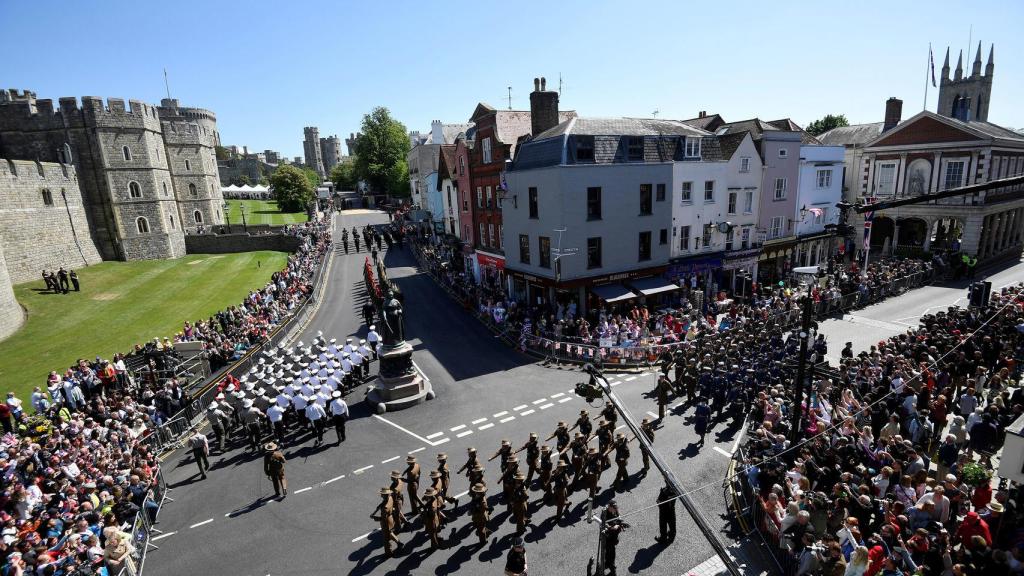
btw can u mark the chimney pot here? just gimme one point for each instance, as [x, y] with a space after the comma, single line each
[536, 84]
[543, 84]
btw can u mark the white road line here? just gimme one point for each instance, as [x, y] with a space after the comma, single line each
[520, 407]
[363, 469]
[459, 495]
[420, 449]
[486, 426]
[615, 383]
[541, 401]
[441, 441]
[164, 535]
[459, 427]
[413, 434]
[335, 479]
[677, 405]
[557, 395]
[564, 400]
[527, 413]
[306, 489]
[500, 414]
[478, 420]
[631, 378]
[358, 538]
[435, 435]
[620, 426]
[201, 523]
[510, 418]
[653, 415]
[392, 459]
[546, 406]
[466, 433]
[722, 452]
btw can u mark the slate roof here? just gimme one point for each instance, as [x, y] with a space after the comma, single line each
[755, 126]
[622, 127]
[788, 124]
[447, 163]
[704, 122]
[855, 135]
[451, 131]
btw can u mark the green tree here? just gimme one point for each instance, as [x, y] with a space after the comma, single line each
[292, 189]
[222, 153]
[344, 175]
[380, 153]
[312, 176]
[827, 123]
[244, 180]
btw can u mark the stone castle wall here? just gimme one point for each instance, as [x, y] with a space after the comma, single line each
[42, 231]
[11, 314]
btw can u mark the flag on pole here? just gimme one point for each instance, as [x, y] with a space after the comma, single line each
[931, 63]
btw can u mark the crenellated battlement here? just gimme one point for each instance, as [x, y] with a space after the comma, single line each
[42, 172]
[185, 133]
[31, 114]
[13, 95]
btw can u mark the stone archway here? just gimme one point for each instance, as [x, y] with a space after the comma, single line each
[882, 229]
[946, 235]
[913, 232]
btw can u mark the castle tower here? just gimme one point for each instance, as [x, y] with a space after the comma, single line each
[350, 143]
[311, 150]
[967, 98]
[330, 151]
[190, 136]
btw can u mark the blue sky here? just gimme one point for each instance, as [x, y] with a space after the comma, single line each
[269, 68]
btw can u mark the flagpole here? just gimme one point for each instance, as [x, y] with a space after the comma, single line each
[927, 68]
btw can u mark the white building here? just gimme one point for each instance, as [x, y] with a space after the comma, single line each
[424, 155]
[819, 189]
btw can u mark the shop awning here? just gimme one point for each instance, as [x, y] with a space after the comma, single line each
[613, 292]
[652, 285]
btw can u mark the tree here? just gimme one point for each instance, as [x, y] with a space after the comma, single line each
[292, 189]
[381, 149]
[244, 180]
[312, 176]
[222, 153]
[344, 175]
[827, 123]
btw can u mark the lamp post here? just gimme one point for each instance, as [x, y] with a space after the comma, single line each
[227, 215]
[241, 210]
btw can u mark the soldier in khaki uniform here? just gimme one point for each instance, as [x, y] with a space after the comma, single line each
[508, 480]
[446, 479]
[439, 501]
[520, 503]
[560, 488]
[505, 451]
[532, 457]
[583, 423]
[592, 471]
[605, 435]
[546, 467]
[385, 514]
[480, 512]
[663, 389]
[471, 461]
[578, 449]
[610, 414]
[273, 467]
[431, 518]
[397, 500]
[561, 434]
[648, 429]
[476, 475]
[621, 460]
[412, 483]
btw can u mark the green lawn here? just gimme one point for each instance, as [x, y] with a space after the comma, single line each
[121, 304]
[262, 212]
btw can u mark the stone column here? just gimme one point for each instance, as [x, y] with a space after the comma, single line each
[1004, 238]
[927, 244]
[979, 250]
[997, 230]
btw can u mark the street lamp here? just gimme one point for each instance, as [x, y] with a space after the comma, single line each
[241, 210]
[227, 215]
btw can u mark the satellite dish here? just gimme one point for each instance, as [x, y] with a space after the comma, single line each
[724, 227]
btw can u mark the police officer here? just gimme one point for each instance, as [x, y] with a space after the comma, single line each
[384, 513]
[701, 419]
[480, 512]
[217, 417]
[412, 482]
[471, 461]
[532, 457]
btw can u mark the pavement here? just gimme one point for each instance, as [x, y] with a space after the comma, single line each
[486, 392]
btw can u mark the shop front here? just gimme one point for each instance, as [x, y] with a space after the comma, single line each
[814, 249]
[736, 265]
[490, 269]
[775, 261]
[696, 272]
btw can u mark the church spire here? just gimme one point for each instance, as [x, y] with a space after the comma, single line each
[945, 67]
[959, 73]
[976, 69]
[990, 67]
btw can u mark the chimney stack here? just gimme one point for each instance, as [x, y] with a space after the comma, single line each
[893, 113]
[437, 132]
[543, 107]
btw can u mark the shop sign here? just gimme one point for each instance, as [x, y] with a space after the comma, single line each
[490, 261]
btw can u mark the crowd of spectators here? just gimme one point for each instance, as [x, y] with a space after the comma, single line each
[74, 472]
[895, 476]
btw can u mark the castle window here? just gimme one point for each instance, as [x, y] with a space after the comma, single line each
[47, 197]
[127, 152]
[134, 190]
[142, 224]
[165, 189]
[198, 217]
[188, 166]
[192, 190]
[172, 222]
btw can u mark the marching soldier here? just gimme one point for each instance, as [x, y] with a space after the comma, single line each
[430, 516]
[508, 478]
[480, 512]
[439, 501]
[504, 452]
[273, 467]
[621, 460]
[546, 467]
[397, 500]
[476, 476]
[446, 479]
[561, 434]
[583, 423]
[610, 414]
[648, 429]
[386, 517]
[412, 483]
[579, 453]
[679, 368]
[605, 435]
[664, 387]
[520, 502]
[560, 488]
[471, 461]
[592, 470]
[532, 457]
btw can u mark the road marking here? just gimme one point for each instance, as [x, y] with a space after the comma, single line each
[306, 489]
[335, 479]
[486, 426]
[466, 433]
[164, 535]
[546, 406]
[435, 435]
[620, 426]
[677, 405]
[722, 452]
[459, 495]
[478, 420]
[420, 449]
[413, 434]
[510, 418]
[363, 469]
[615, 383]
[441, 441]
[653, 415]
[500, 414]
[392, 459]
[557, 395]
[201, 523]
[358, 538]
[459, 427]
[527, 413]
[631, 378]
[520, 407]
[541, 401]
[564, 400]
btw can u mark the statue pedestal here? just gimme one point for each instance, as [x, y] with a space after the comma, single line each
[399, 383]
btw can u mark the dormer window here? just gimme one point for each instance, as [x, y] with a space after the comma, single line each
[584, 148]
[635, 148]
[692, 148]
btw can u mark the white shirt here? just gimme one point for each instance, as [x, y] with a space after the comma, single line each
[357, 358]
[365, 351]
[339, 407]
[299, 402]
[373, 337]
[283, 400]
[275, 413]
[346, 365]
[315, 412]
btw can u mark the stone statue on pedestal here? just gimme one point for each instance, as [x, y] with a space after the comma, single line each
[394, 321]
